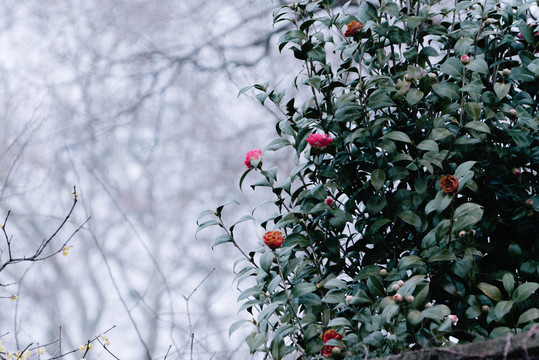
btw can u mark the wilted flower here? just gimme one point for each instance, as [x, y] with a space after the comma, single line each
[353, 28]
[328, 335]
[465, 59]
[273, 239]
[251, 156]
[319, 141]
[449, 184]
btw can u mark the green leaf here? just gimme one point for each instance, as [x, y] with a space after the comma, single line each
[508, 283]
[380, 101]
[463, 168]
[468, 208]
[453, 67]
[490, 290]
[266, 260]
[478, 126]
[428, 145]
[303, 289]
[335, 284]
[474, 110]
[528, 315]
[447, 89]
[443, 255]
[277, 144]
[502, 308]
[413, 96]
[463, 45]
[439, 134]
[375, 285]
[340, 321]
[378, 178]
[410, 261]
[521, 74]
[235, 326]
[478, 65]
[221, 239]
[501, 90]
[398, 136]
[524, 291]
[436, 313]
[410, 217]
[269, 310]
[361, 298]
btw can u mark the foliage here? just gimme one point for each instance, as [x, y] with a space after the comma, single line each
[414, 97]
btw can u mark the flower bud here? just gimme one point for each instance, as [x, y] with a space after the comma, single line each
[465, 59]
[349, 298]
[473, 232]
[462, 233]
[273, 239]
[319, 286]
[408, 77]
[383, 272]
[529, 202]
[432, 76]
[516, 171]
[336, 350]
[453, 319]
[489, 21]
[395, 287]
[400, 283]
[428, 305]
[397, 298]
[329, 201]
[506, 72]
[409, 298]
[485, 308]
[513, 112]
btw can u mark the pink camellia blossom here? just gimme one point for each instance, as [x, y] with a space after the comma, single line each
[465, 59]
[329, 201]
[453, 319]
[319, 141]
[251, 156]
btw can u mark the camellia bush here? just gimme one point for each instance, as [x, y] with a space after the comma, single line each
[410, 217]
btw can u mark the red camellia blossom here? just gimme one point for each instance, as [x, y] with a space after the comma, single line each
[449, 184]
[274, 239]
[319, 141]
[252, 156]
[328, 335]
[329, 201]
[353, 28]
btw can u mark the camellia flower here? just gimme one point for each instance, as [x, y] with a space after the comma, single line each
[453, 319]
[449, 184]
[252, 156]
[329, 201]
[465, 59]
[328, 335]
[319, 141]
[273, 239]
[353, 28]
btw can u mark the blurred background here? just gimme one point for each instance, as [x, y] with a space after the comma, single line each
[135, 103]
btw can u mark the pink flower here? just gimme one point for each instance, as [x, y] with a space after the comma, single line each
[251, 156]
[397, 298]
[329, 201]
[319, 141]
[465, 59]
[453, 319]
[462, 233]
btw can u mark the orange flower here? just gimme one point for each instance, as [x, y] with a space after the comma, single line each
[353, 28]
[449, 184]
[328, 335]
[274, 239]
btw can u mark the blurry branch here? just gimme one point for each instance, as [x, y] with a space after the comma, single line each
[187, 298]
[38, 254]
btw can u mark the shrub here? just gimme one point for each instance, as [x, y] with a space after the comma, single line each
[428, 119]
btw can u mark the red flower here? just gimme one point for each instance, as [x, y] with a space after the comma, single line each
[465, 59]
[319, 141]
[252, 156]
[449, 184]
[353, 28]
[328, 335]
[273, 239]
